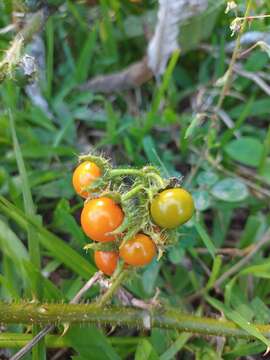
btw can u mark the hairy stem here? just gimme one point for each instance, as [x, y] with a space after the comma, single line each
[227, 85]
[126, 172]
[116, 282]
[131, 193]
[29, 313]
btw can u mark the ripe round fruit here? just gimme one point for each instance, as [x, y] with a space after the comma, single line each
[100, 217]
[172, 207]
[106, 261]
[138, 251]
[83, 176]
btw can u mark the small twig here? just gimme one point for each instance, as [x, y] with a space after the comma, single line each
[127, 299]
[97, 276]
[133, 76]
[234, 269]
[227, 84]
[254, 77]
[49, 328]
[226, 251]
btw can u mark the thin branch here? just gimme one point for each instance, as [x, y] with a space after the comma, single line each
[227, 84]
[235, 268]
[254, 77]
[225, 251]
[133, 76]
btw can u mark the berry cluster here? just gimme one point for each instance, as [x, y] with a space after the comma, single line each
[129, 219]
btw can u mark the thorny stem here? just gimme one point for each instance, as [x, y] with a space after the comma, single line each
[123, 316]
[140, 173]
[126, 172]
[132, 192]
[227, 85]
[26, 348]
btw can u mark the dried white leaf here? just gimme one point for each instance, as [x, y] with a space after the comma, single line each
[231, 5]
[165, 40]
[236, 25]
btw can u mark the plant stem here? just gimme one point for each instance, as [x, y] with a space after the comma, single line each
[41, 334]
[132, 192]
[29, 313]
[136, 172]
[227, 85]
[116, 282]
[125, 172]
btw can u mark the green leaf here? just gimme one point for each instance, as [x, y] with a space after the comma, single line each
[238, 319]
[251, 231]
[145, 351]
[230, 190]
[259, 108]
[194, 124]
[56, 189]
[27, 196]
[176, 346]
[90, 343]
[242, 350]
[262, 312]
[246, 150]
[65, 222]
[201, 199]
[11, 245]
[215, 272]
[49, 290]
[149, 277]
[57, 247]
[86, 55]
[260, 270]
[176, 254]
[207, 178]
[205, 238]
